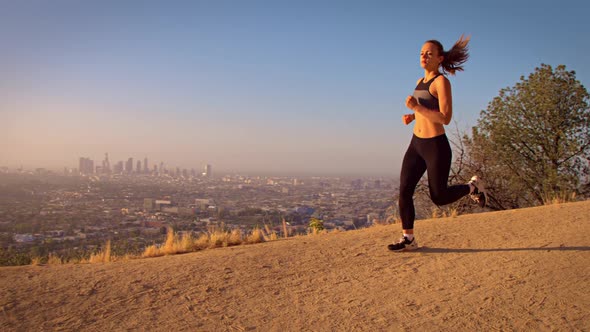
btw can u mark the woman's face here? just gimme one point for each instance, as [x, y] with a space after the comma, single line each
[430, 58]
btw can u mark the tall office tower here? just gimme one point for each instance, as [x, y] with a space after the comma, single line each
[161, 167]
[81, 165]
[118, 168]
[106, 165]
[207, 171]
[129, 165]
[145, 166]
[90, 166]
[86, 166]
[138, 168]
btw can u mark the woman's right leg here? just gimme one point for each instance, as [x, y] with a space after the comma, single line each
[413, 167]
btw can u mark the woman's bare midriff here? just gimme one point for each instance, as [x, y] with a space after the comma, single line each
[424, 128]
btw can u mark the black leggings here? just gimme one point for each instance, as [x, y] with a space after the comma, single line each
[432, 155]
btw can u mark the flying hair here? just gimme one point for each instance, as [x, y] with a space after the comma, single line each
[455, 57]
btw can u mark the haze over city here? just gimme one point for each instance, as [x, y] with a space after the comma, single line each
[307, 87]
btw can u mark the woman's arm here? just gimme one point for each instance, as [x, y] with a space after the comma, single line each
[407, 118]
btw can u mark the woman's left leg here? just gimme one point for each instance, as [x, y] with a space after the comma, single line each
[438, 156]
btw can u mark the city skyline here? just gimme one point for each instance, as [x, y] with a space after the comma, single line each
[277, 88]
[88, 166]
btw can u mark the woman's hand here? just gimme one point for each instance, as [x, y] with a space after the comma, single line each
[411, 102]
[407, 118]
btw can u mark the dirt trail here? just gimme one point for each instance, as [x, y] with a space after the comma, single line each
[526, 269]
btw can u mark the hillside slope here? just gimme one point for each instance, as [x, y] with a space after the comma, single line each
[526, 269]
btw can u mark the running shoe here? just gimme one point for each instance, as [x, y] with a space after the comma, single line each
[404, 245]
[479, 194]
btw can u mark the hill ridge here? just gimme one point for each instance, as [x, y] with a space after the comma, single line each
[506, 270]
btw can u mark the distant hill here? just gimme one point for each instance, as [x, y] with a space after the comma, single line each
[526, 269]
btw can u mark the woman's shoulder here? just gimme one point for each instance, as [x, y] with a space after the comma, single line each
[441, 80]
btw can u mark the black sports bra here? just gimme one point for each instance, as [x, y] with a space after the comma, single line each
[423, 95]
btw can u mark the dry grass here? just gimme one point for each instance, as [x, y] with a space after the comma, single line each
[36, 261]
[151, 251]
[257, 236]
[187, 242]
[314, 231]
[174, 244]
[215, 238]
[124, 258]
[54, 260]
[202, 242]
[103, 256]
[235, 237]
[269, 234]
[218, 239]
[444, 213]
[563, 196]
[435, 213]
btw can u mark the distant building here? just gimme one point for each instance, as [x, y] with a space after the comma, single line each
[161, 203]
[356, 184]
[204, 203]
[106, 165]
[129, 165]
[207, 171]
[304, 210]
[86, 166]
[24, 238]
[149, 204]
[118, 169]
[146, 169]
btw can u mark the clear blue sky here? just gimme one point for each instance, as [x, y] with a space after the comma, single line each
[296, 87]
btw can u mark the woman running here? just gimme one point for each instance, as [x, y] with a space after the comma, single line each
[429, 149]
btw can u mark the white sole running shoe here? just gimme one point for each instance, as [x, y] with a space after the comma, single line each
[404, 245]
[479, 194]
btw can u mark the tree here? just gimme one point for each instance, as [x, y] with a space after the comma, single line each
[532, 141]
[316, 225]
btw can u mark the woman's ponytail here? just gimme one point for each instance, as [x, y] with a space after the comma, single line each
[455, 57]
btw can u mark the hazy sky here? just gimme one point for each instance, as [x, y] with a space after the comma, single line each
[271, 86]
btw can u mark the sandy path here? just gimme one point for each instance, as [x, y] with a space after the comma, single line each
[525, 269]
